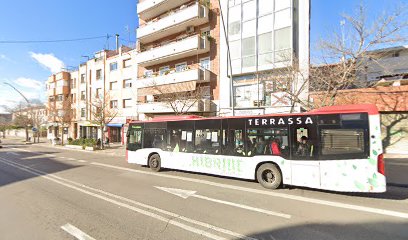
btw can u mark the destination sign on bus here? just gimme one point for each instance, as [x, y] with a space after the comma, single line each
[280, 121]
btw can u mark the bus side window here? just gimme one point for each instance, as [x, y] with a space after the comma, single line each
[304, 147]
[207, 141]
[235, 141]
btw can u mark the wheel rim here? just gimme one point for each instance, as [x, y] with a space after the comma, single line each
[268, 176]
[154, 163]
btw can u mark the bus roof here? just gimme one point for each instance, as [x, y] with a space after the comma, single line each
[371, 109]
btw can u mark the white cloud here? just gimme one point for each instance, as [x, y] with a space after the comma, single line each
[29, 83]
[5, 58]
[48, 61]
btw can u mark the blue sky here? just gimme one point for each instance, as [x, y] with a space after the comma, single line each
[27, 66]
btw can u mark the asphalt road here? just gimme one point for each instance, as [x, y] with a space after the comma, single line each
[49, 193]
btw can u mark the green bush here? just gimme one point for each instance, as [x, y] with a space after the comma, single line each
[84, 142]
[70, 141]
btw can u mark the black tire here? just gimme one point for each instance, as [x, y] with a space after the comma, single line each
[155, 162]
[269, 176]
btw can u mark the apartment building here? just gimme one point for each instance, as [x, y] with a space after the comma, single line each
[386, 66]
[261, 38]
[59, 105]
[104, 81]
[178, 59]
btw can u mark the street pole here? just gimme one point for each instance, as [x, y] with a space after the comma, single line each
[26, 99]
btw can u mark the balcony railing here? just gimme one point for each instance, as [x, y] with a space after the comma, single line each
[149, 9]
[190, 46]
[199, 75]
[178, 21]
[163, 107]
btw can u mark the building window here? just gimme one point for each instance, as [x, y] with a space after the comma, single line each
[181, 67]
[83, 112]
[98, 92]
[205, 63]
[164, 70]
[148, 73]
[127, 103]
[83, 95]
[60, 97]
[114, 104]
[113, 66]
[83, 78]
[113, 85]
[127, 83]
[127, 63]
[73, 83]
[248, 52]
[99, 74]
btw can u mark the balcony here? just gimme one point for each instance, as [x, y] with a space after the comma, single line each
[148, 9]
[51, 92]
[198, 75]
[162, 107]
[62, 90]
[187, 47]
[193, 15]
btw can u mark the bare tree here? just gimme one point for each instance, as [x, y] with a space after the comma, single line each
[178, 100]
[103, 112]
[62, 113]
[343, 59]
[22, 117]
[345, 55]
[5, 123]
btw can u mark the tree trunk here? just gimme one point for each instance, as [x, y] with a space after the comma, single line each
[26, 132]
[62, 136]
[102, 138]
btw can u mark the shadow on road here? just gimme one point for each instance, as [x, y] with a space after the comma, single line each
[313, 231]
[38, 160]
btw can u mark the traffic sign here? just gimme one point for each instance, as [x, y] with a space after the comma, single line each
[34, 129]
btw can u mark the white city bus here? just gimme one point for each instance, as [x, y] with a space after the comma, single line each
[334, 148]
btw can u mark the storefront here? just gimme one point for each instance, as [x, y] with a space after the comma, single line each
[89, 131]
[115, 132]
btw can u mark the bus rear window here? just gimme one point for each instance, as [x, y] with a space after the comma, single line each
[342, 141]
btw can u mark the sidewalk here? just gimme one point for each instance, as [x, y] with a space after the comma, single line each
[114, 149]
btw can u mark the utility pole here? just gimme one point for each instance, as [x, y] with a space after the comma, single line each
[28, 104]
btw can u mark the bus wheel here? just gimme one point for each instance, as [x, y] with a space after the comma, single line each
[154, 162]
[269, 176]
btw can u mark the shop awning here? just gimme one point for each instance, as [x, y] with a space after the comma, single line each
[168, 88]
[118, 125]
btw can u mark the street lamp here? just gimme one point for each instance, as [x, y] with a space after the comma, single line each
[28, 104]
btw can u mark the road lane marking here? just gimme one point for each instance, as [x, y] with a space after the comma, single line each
[187, 193]
[72, 159]
[76, 232]
[62, 157]
[171, 220]
[20, 149]
[378, 211]
[82, 161]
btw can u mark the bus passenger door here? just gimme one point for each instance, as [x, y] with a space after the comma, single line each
[304, 165]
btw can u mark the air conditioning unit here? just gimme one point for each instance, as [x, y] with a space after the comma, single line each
[190, 29]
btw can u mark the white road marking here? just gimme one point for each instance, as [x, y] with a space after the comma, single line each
[76, 232]
[187, 193]
[62, 157]
[379, 211]
[72, 159]
[173, 219]
[82, 161]
[20, 149]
